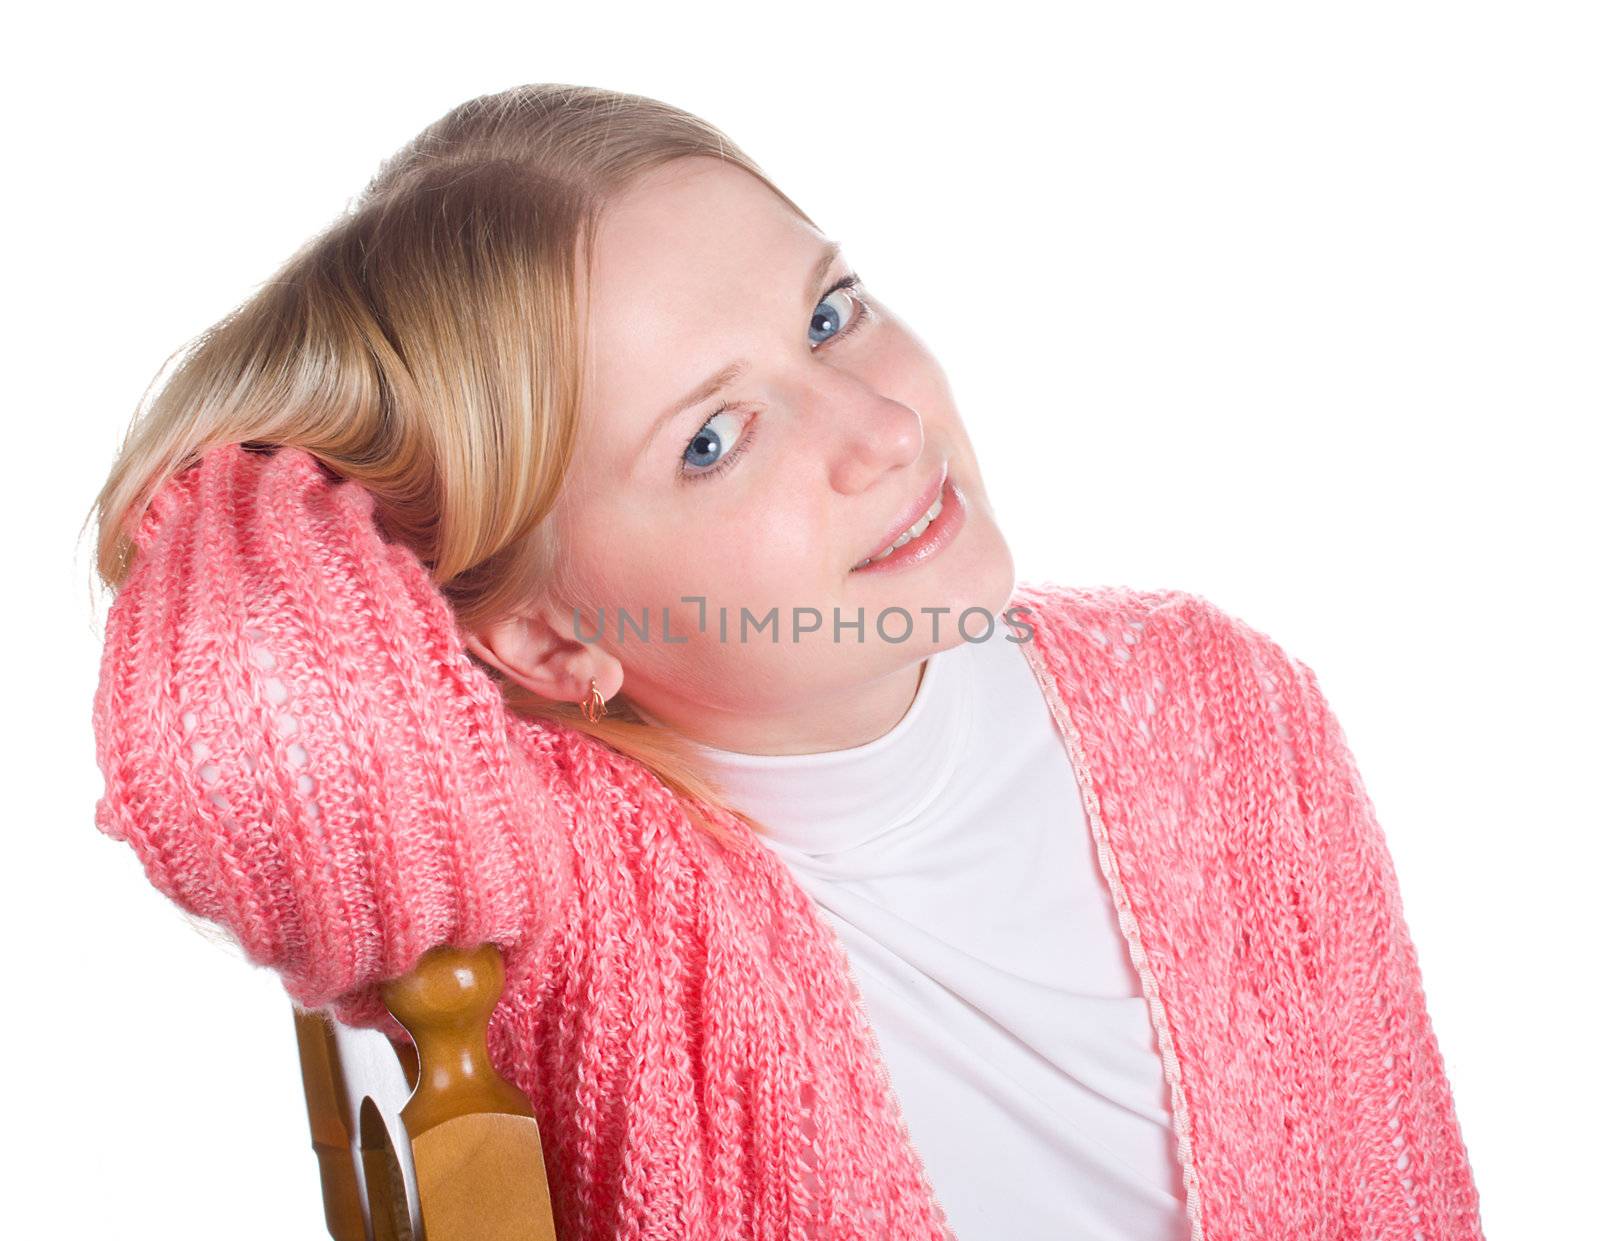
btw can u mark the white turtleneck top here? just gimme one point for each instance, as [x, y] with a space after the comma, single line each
[954, 859]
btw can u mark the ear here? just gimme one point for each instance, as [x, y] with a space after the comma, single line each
[536, 651]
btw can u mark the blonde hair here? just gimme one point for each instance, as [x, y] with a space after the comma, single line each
[427, 345]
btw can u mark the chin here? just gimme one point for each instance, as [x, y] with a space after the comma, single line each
[988, 586]
[975, 573]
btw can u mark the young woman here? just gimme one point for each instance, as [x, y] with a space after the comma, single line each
[567, 549]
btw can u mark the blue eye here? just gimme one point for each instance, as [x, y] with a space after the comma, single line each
[826, 318]
[714, 442]
[722, 439]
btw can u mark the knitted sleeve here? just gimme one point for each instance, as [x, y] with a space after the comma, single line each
[298, 747]
[1399, 1151]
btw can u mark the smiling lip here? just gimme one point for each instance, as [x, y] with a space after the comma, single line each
[941, 532]
[912, 514]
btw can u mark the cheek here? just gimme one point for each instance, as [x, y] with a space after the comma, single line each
[764, 535]
[783, 534]
[762, 546]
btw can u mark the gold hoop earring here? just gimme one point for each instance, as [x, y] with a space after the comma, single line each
[594, 706]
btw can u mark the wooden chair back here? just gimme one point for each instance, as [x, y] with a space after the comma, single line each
[429, 1144]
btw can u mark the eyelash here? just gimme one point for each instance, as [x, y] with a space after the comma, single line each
[863, 313]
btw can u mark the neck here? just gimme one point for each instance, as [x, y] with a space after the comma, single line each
[810, 727]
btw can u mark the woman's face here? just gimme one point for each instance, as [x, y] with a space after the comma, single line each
[828, 439]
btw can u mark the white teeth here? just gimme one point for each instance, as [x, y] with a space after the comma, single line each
[915, 530]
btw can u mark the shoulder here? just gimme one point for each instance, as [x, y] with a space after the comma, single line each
[1190, 623]
[1081, 608]
[1111, 640]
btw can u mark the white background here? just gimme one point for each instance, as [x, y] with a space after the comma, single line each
[1294, 307]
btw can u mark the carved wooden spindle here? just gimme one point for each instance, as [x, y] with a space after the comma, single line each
[474, 1141]
[330, 1125]
[387, 1209]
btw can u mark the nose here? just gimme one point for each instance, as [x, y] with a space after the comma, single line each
[871, 432]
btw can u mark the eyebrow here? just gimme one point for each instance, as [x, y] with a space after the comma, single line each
[733, 370]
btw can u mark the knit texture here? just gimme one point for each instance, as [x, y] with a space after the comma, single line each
[298, 746]
[681, 1016]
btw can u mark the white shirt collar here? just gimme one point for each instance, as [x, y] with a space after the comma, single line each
[839, 799]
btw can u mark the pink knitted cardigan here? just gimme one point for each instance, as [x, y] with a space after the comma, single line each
[683, 1020]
